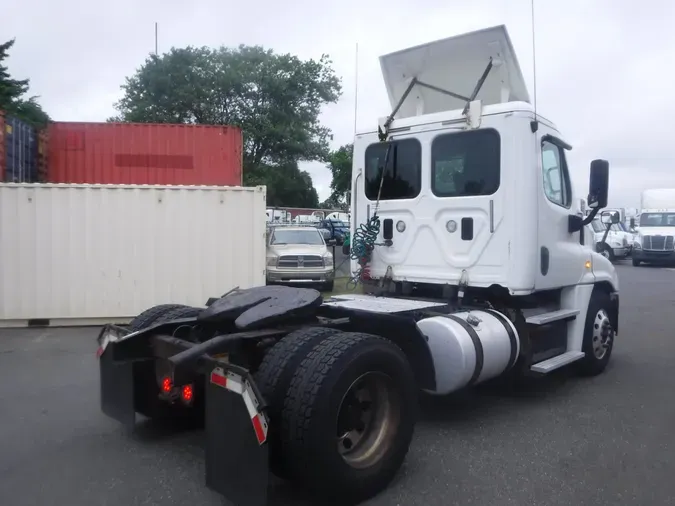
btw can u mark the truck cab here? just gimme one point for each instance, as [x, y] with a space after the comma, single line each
[615, 243]
[474, 191]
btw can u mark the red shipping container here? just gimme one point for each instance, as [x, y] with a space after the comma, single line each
[139, 153]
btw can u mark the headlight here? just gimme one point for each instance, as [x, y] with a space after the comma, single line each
[272, 261]
[625, 241]
[328, 260]
[637, 245]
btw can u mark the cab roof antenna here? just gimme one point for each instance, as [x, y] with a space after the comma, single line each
[535, 123]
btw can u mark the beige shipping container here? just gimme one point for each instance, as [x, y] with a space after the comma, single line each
[89, 254]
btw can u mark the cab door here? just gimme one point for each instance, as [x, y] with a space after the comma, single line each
[561, 255]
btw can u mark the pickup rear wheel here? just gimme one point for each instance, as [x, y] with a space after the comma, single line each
[274, 376]
[349, 416]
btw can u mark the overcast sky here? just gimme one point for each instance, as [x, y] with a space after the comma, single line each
[602, 75]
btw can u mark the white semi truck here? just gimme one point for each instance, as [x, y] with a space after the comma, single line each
[654, 241]
[470, 248]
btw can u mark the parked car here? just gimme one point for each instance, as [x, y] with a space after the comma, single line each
[299, 255]
[339, 229]
[327, 234]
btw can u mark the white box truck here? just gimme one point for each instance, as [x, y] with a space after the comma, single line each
[470, 247]
[654, 241]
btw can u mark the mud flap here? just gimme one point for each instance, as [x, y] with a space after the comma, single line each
[236, 459]
[117, 389]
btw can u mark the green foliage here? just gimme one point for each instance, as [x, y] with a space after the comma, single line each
[287, 186]
[332, 203]
[340, 165]
[275, 98]
[13, 90]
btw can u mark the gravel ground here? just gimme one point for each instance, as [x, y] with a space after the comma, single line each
[563, 441]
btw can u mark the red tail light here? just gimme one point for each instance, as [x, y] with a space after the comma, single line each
[166, 385]
[187, 393]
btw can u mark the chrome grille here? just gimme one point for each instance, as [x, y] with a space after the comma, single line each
[657, 242]
[300, 261]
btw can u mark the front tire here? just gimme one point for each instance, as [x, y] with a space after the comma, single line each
[598, 335]
[606, 252]
[636, 263]
[349, 416]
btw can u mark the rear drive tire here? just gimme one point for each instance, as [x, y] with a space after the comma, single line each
[147, 402]
[274, 376]
[598, 335]
[148, 317]
[349, 416]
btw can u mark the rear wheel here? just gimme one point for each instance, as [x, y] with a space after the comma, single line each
[149, 316]
[274, 377]
[349, 416]
[146, 382]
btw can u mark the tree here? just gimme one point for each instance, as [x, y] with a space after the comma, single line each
[13, 90]
[340, 165]
[288, 186]
[275, 98]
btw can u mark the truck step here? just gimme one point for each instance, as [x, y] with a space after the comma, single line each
[553, 316]
[557, 362]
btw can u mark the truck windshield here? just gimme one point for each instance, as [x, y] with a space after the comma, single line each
[657, 220]
[310, 236]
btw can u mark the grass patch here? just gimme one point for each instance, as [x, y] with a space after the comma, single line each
[340, 287]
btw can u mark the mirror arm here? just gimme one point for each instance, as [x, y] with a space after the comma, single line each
[590, 217]
[604, 237]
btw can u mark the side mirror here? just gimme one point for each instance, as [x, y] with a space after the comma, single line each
[632, 223]
[331, 242]
[598, 187]
[609, 217]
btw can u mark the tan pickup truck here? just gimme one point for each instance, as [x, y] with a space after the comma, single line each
[299, 255]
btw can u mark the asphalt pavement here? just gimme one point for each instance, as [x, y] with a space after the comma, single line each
[562, 441]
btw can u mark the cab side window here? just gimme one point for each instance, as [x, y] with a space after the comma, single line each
[556, 178]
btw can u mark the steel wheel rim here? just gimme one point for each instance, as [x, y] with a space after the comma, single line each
[602, 334]
[368, 419]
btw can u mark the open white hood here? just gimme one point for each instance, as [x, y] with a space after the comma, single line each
[456, 65]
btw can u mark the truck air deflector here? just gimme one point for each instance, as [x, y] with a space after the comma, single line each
[447, 73]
